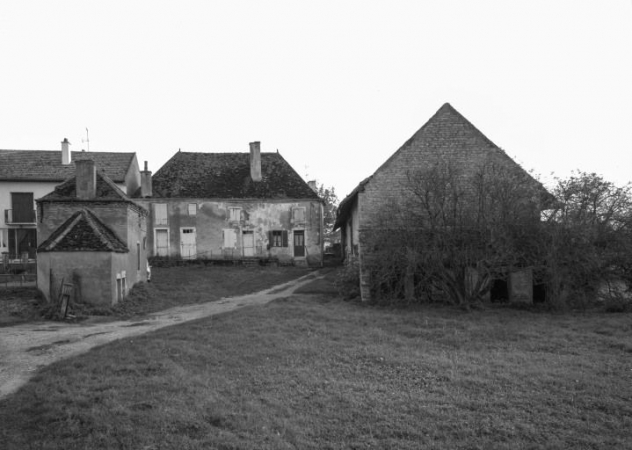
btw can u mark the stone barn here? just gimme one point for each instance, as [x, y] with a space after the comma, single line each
[447, 136]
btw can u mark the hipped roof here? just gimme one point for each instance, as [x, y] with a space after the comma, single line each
[106, 191]
[227, 176]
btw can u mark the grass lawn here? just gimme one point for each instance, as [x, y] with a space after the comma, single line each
[175, 286]
[312, 371]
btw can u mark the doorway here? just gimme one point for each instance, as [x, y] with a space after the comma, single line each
[299, 243]
[162, 242]
[187, 243]
[249, 243]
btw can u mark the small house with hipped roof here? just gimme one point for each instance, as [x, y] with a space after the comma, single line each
[446, 137]
[93, 235]
[217, 206]
[26, 175]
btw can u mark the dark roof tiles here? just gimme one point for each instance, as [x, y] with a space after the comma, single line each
[83, 232]
[105, 190]
[45, 165]
[227, 175]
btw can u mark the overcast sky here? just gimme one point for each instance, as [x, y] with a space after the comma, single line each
[336, 87]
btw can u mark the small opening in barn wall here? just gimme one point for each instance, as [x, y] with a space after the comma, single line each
[539, 293]
[499, 291]
[192, 209]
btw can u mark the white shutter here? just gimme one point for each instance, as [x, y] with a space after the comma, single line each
[160, 214]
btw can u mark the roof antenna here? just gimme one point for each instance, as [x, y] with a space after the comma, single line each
[87, 139]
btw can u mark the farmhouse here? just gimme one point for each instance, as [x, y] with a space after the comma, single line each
[447, 137]
[92, 236]
[26, 175]
[218, 206]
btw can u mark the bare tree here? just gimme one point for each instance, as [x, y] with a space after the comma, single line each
[452, 233]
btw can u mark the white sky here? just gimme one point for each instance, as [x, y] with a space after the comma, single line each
[335, 86]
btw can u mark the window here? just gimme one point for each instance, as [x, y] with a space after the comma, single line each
[4, 238]
[22, 240]
[192, 209]
[22, 208]
[160, 214]
[230, 238]
[234, 214]
[277, 238]
[298, 215]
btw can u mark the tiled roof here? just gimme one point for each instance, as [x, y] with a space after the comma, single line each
[227, 175]
[83, 232]
[45, 165]
[447, 135]
[106, 190]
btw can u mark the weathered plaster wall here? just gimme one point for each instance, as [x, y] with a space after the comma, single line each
[212, 218]
[90, 272]
[137, 244]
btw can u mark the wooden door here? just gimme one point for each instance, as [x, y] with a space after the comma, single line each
[187, 243]
[299, 243]
[249, 243]
[162, 242]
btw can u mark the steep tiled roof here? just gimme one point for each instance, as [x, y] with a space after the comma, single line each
[83, 232]
[227, 175]
[106, 190]
[448, 135]
[45, 165]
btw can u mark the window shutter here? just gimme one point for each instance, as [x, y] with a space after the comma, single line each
[284, 238]
[270, 243]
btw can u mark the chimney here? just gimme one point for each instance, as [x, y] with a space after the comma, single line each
[145, 183]
[255, 161]
[86, 179]
[65, 152]
[312, 185]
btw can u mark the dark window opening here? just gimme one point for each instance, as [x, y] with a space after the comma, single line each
[499, 291]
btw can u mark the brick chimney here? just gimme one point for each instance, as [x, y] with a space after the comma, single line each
[312, 185]
[86, 179]
[145, 183]
[255, 161]
[65, 152]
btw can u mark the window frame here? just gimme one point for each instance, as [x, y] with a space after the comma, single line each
[160, 222]
[232, 213]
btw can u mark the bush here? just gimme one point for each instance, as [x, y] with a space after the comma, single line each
[348, 279]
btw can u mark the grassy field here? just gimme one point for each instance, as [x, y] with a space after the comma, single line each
[171, 287]
[312, 371]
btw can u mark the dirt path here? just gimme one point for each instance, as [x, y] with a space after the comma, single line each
[25, 348]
